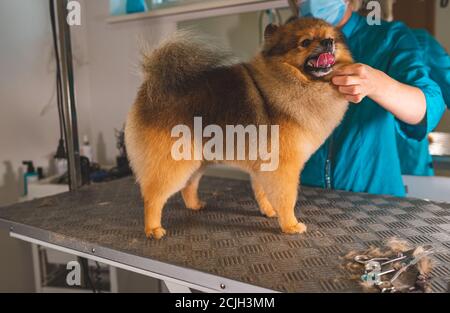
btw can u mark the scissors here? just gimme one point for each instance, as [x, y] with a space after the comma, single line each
[364, 259]
[373, 267]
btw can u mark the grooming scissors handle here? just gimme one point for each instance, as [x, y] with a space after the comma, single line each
[394, 260]
[363, 259]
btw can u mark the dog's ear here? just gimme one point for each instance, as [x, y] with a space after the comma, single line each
[292, 19]
[270, 30]
[271, 41]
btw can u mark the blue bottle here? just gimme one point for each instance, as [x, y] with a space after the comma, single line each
[136, 6]
[30, 176]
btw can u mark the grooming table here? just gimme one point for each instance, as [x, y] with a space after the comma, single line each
[229, 246]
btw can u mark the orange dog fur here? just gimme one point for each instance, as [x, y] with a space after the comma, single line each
[187, 78]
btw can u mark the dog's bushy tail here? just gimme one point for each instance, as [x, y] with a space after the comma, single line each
[182, 57]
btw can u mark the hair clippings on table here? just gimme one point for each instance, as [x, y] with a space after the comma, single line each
[396, 268]
[377, 268]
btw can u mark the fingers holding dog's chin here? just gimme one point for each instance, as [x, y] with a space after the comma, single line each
[345, 80]
[353, 90]
[352, 69]
[354, 99]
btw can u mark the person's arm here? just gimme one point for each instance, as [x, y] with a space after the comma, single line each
[404, 88]
[439, 62]
[357, 81]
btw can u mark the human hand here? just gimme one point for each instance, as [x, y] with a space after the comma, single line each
[357, 81]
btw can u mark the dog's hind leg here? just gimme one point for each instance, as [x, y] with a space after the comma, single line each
[264, 205]
[190, 192]
[156, 189]
[153, 213]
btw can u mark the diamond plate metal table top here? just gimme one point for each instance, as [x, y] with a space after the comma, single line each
[230, 238]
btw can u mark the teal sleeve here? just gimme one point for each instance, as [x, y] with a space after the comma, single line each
[407, 66]
[439, 63]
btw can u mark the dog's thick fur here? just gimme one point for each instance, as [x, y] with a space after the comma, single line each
[185, 78]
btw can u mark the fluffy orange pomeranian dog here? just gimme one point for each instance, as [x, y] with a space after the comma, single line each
[286, 85]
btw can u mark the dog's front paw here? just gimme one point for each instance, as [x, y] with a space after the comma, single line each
[299, 228]
[197, 206]
[156, 233]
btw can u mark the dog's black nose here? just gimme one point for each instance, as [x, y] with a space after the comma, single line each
[327, 43]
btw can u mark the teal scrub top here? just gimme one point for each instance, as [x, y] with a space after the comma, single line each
[361, 155]
[415, 158]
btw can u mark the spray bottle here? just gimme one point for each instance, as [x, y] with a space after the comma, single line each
[30, 176]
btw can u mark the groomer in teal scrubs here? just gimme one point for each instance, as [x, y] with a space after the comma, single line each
[415, 158]
[392, 92]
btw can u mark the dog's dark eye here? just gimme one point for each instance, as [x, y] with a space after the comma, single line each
[305, 43]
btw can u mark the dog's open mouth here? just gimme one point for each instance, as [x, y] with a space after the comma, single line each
[320, 65]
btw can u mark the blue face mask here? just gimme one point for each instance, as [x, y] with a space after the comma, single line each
[332, 11]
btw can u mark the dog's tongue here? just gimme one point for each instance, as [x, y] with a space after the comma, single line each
[325, 60]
